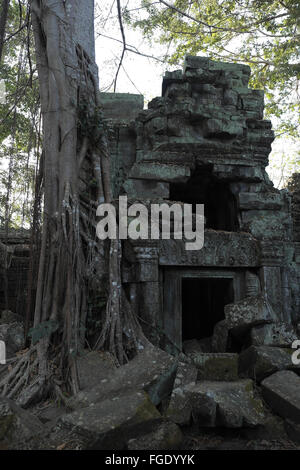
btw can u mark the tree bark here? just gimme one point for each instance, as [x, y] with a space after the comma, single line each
[74, 133]
[3, 19]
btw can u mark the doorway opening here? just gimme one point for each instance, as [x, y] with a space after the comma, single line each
[203, 301]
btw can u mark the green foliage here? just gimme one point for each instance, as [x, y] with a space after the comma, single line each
[261, 33]
[42, 330]
[19, 119]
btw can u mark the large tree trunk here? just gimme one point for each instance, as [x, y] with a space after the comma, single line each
[64, 77]
[73, 133]
[3, 19]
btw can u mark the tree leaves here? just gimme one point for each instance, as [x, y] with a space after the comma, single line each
[261, 33]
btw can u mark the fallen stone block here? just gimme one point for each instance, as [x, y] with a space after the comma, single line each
[275, 334]
[246, 313]
[152, 370]
[228, 404]
[16, 424]
[258, 362]
[186, 373]
[220, 338]
[281, 392]
[293, 430]
[216, 366]
[192, 346]
[165, 436]
[179, 410]
[93, 367]
[113, 422]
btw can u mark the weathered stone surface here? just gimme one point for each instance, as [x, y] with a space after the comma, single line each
[165, 436]
[294, 189]
[112, 422]
[248, 312]
[264, 201]
[193, 346]
[222, 127]
[93, 367]
[242, 173]
[216, 366]
[179, 410]
[223, 249]
[272, 283]
[186, 373]
[121, 105]
[228, 404]
[152, 370]
[264, 224]
[293, 430]
[13, 336]
[281, 392]
[220, 337]
[16, 424]
[146, 189]
[275, 334]
[160, 172]
[259, 362]
[253, 285]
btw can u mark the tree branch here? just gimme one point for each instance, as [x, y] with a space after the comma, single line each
[244, 30]
[133, 49]
[123, 40]
[3, 19]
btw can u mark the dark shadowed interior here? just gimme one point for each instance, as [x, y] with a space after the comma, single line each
[220, 208]
[203, 302]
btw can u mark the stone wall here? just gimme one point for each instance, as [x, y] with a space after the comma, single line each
[205, 135]
[16, 274]
[207, 131]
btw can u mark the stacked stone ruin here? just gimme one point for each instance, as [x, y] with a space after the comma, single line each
[228, 313]
[14, 268]
[205, 141]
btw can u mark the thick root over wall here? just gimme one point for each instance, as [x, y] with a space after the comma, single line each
[67, 79]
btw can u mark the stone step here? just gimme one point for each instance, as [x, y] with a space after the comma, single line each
[259, 362]
[112, 422]
[215, 366]
[152, 370]
[281, 392]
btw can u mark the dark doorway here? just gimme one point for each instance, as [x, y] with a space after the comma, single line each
[203, 302]
[220, 208]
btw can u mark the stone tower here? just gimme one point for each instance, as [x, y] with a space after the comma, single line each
[205, 141]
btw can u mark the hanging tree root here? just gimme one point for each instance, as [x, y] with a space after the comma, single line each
[121, 331]
[68, 249]
[19, 376]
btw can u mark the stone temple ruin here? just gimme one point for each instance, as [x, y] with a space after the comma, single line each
[228, 313]
[205, 141]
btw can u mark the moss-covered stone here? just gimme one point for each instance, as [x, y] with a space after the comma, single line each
[216, 366]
